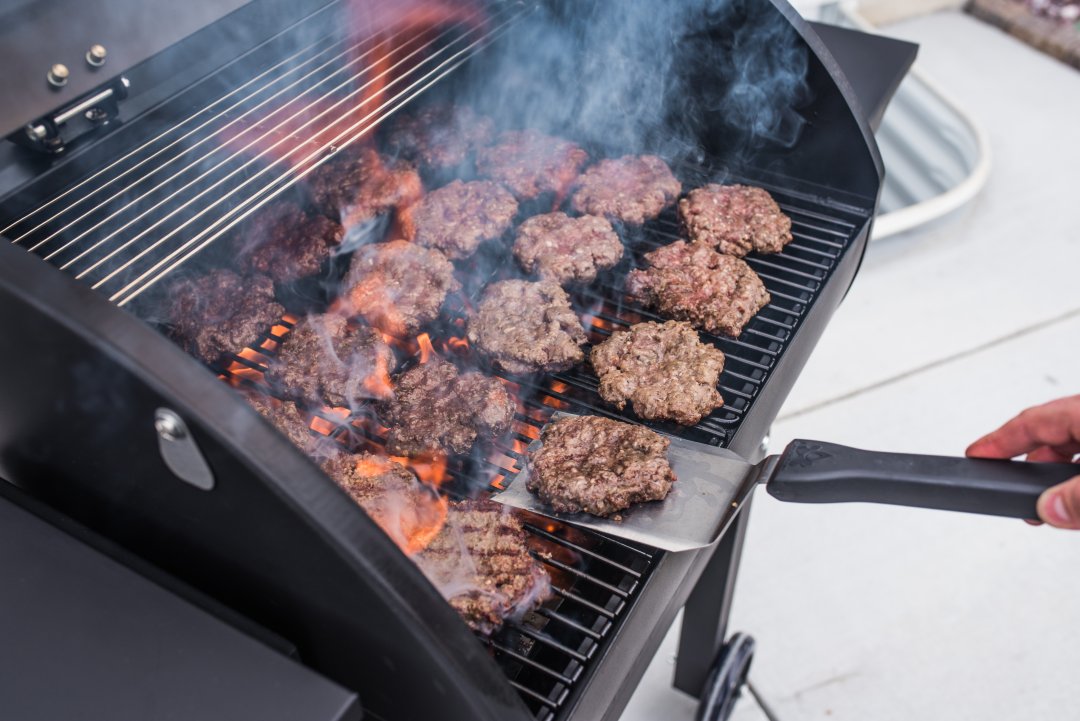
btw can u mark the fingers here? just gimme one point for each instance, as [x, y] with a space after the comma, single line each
[1060, 506]
[1055, 424]
[1046, 454]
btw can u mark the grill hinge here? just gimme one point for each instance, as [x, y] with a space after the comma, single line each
[53, 133]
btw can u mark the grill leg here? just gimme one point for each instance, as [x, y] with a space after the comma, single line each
[705, 616]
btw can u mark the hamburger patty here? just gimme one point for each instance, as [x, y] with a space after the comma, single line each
[436, 408]
[286, 417]
[525, 327]
[716, 293]
[599, 466]
[735, 219]
[481, 564]
[221, 312]
[458, 217]
[530, 163]
[285, 243]
[439, 137]
[399, 286]
[663, 369]
[357, 186]
[567, 250]
[325, 360]
[630, 189]
[407, 511]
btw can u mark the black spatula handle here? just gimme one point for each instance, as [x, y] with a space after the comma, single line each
[815, 472]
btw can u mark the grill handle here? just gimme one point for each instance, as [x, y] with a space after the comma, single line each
[816, 472]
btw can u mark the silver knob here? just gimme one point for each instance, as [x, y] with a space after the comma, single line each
[169, 426]
[95, 56]
[58, 75]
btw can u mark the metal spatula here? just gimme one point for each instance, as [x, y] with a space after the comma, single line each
[712, 482]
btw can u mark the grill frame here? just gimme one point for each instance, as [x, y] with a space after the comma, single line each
[605, 688]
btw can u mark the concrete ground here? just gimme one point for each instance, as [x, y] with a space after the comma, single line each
[868, 613]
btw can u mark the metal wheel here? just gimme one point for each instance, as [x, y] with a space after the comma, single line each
[726, 679]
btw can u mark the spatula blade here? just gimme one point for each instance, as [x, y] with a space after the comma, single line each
[702, 501]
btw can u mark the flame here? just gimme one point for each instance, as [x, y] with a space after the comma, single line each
[426, 349]
[422, 526]
[377, 383]
[430, 469]
[325, 426]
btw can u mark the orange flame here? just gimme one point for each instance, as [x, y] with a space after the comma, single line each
[430, 469]
[377, 383]
[426, 349]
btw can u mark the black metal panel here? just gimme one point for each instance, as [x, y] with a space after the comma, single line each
[274, 540]
[125, 648]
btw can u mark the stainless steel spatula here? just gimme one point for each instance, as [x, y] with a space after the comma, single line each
[712, 482]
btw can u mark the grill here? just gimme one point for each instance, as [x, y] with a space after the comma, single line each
[135, 206]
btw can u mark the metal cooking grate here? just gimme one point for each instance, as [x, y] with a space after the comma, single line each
[133, 222]
[547, 654]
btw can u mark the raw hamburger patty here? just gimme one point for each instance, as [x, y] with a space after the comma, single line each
[526, 327]
[481, 564]
[286, 243]
[663, 369]
[324, 360]
[437, 409]
[631, 189]
[406, 510]
[458, 217]
[715, 292]
[399, 286]
[286, 417]
[439, 137]
[358, 186]
[735, 219]
[567, 250]
[599, 466]
[221, 312]
[530, 163]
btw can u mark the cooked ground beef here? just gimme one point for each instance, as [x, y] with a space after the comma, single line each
[481, 564]
[715, 292]
[221, 312]
[663, 369]
[735, 219]
[326, 360]
[399, 286]
[437, 409]
[286, 417]
[439, 137]
[599, 466]
[631, 189]
[530, 163]
[458, 217]
[526, 327]
[358, 186]
[285, 243]
[567, 250]
[407, 511]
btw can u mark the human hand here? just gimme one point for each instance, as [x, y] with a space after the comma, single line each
[1049, 433]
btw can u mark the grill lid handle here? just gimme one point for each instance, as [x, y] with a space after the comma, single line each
[816, 472]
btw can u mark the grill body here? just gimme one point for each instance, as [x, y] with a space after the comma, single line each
[81, 382]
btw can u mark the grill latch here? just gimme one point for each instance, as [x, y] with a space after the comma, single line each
[55, 132]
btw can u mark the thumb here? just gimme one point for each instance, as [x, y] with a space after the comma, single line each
[1060, 505]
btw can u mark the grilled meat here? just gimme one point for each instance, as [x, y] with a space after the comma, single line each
[286, 417]
[481, 564]
[221, 312]
[458, 217]
[567, 250]
[530, 163]
[631, 189]
[325, 360]
[715, 292]
[358, 186]
[439, 137]
[526, 327]
[599, 466]
[285, 243]
[435, 408]
[663, 369]
[399, 286]
[735, 219]
[407, 511]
